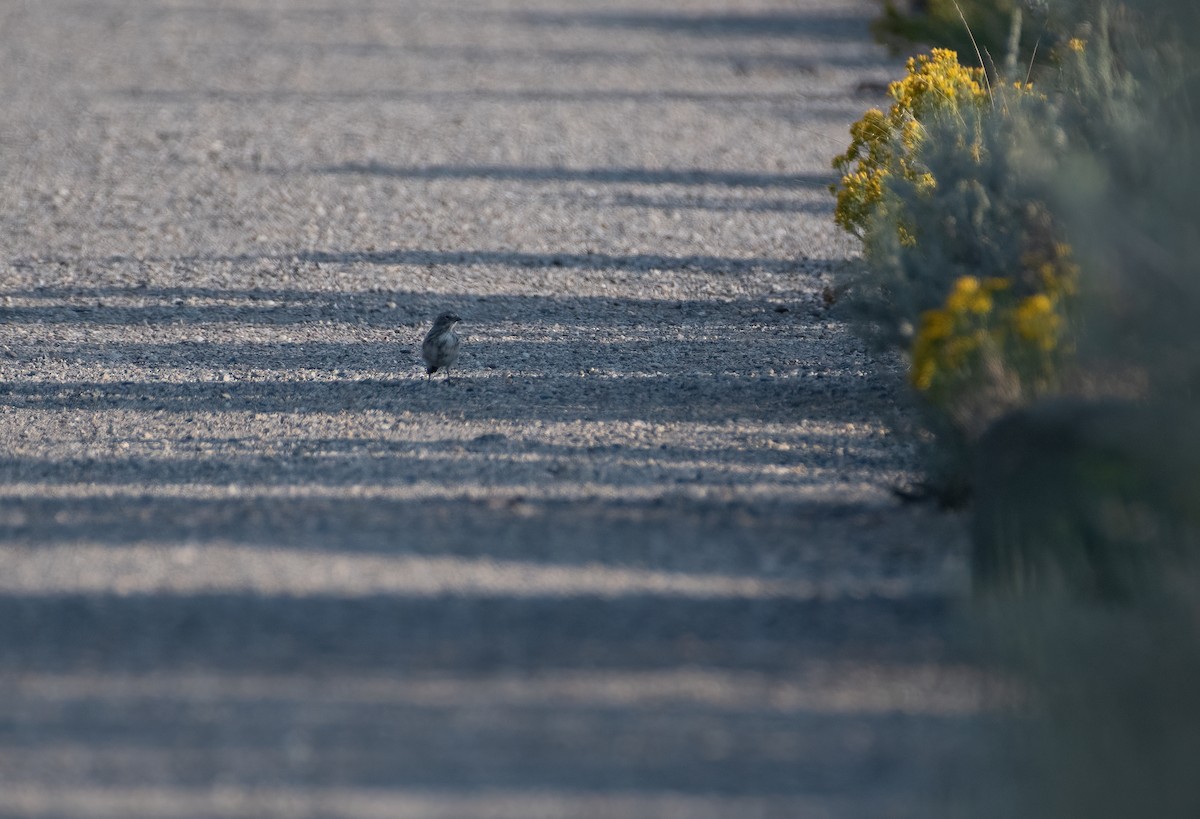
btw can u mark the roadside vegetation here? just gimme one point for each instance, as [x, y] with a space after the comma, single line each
[1030, 246]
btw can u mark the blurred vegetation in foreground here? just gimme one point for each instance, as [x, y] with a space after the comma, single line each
[1031, 247]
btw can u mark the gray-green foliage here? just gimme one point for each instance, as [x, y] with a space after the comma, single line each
[1131, 186]
[1102, 500]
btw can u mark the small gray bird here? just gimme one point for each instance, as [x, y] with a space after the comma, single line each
[440, 348]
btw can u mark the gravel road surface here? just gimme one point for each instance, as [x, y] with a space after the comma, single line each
[638, 557]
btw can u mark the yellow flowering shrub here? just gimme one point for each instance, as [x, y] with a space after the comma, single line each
[964, 267]
[885, 144]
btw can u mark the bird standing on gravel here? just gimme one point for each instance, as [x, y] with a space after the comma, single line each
[440, 348]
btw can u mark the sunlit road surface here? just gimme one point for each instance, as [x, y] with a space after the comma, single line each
[640, 557]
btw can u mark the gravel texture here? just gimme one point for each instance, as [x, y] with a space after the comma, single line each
[639, 557]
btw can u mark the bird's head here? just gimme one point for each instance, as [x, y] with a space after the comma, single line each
[446, 319]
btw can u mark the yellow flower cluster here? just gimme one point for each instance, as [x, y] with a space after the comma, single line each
[883, 145]
[1037, 322]
[986, 316]
[1038, 318]
[949, 336]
